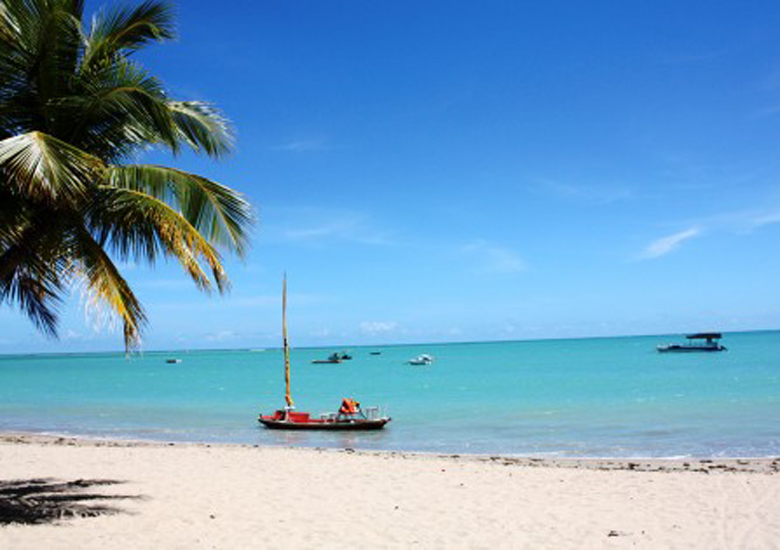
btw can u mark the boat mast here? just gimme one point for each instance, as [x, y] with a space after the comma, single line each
[287, 397]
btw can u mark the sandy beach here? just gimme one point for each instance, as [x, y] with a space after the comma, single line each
[231, 496]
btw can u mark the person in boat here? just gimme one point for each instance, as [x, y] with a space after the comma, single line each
[350, 407]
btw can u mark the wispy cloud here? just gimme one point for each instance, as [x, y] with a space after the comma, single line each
[221, 336]
[167, 284]
[71, 335]
[372, 328]
[303, 146]
[688, 58]
[761, 219]
[739, 221]
[322, 225]
[665, 245]
[492, 258]
[276, 300]
[597, 194]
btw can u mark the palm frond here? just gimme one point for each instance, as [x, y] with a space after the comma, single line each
[40, 46]
[73, 108]
[118, 110]
[202, 127]
[137, 226]
[123, 30]
[216, 211]
[32, 271]
[45, 168]
[107, 287]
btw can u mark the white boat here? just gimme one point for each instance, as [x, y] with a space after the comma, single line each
[423, 359]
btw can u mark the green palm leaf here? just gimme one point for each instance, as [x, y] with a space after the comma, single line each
[45, 168]
[202, 127]
[73, 108]
[218, 212]
[137, 226]
[124, 29]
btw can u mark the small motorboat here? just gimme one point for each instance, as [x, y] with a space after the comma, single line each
[349, 417]
[173, 361]
[332, 358]
[711, 343]
[423, 359]
[376, 353]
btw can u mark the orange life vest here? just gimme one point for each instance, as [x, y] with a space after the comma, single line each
[349, 406]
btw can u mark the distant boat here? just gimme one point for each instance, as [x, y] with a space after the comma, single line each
[423, 359]
[173, 361]
[711, 343]
[376, 353]
[332, 358]
[349, 417]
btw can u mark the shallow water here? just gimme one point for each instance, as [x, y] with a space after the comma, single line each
[589, 397]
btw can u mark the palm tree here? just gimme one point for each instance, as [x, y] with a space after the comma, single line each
[75, 111]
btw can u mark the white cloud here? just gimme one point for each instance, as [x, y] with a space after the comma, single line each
[221, 336]
[167, 284]
[303, 146]
[494, 259]
[350, 230]
[372, 328]
[271, 300]
[71, 335]
[321, 225]
[665, 245]
[589, 193]
[762, 219]
[322, 332]
[739, 221]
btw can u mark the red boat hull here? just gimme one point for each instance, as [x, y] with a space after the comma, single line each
[301, 421]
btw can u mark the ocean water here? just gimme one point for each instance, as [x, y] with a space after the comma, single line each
[600, 397]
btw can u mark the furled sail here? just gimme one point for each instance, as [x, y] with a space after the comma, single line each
[287, 397]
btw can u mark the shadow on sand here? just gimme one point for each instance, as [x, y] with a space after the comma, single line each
[36, 501]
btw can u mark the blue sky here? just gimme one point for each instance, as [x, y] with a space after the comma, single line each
[439, 171]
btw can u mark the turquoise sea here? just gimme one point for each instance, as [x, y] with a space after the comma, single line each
[596, 397]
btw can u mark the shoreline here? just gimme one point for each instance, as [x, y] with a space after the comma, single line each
[707, 465]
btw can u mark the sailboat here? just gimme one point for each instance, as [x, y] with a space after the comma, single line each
[349, 417]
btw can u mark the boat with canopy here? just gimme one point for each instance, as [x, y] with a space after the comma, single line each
[350, 415]
[711, 343]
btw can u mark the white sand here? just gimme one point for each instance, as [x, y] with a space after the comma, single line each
[195, 496]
